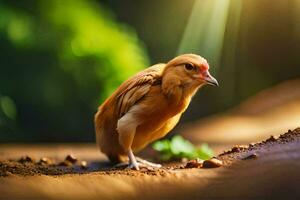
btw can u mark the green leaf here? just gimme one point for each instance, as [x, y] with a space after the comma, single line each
[166, 156]
[205, 152]
[162, 145]
[178, 147]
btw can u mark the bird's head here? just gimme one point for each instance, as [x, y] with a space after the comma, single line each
[190, 69]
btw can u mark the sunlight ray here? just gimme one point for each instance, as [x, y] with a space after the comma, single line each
[205, 30]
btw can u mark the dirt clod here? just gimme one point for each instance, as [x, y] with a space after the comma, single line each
[26, 159]
[71, 158]
[83, 165]
[238, 148]
[251, 145]
[212, 163]
[45, 161]
[196, 163]
[272, 139]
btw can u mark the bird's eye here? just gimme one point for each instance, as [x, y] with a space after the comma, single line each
[188, 66]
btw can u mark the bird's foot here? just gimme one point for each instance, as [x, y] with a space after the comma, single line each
[126, 165]
[132, 161]
[135, 166]
[147, 163]
[138, 165]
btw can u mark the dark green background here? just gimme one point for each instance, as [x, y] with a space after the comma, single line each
[60, 59]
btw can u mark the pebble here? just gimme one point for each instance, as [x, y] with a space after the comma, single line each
[83, 165]
[238, 148]
[251, 145]
[45, 161]
[196, 163]
[212, 163]
[71, 158]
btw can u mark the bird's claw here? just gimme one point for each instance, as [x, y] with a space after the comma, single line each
[147, 163]
[138, 165]
[134, 166]
[126, 165]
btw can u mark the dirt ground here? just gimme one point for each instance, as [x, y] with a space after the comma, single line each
[265, 170]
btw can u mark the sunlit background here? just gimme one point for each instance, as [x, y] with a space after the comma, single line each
[60, 59]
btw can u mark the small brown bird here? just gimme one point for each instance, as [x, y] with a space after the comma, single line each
[147, 106]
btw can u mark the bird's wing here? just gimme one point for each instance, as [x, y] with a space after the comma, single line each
[134, 89]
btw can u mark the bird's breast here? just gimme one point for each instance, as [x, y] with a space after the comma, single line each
[158, 116]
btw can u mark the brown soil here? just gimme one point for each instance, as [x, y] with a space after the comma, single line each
[269, 169]
[28, 166]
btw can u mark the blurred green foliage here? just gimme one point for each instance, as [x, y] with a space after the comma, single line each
[59, 60]
[177, 147]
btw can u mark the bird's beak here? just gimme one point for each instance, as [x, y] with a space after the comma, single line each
[209, 79]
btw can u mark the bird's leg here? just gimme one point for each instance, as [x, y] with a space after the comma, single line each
[126, 128]
[147, 163]
[132, 161]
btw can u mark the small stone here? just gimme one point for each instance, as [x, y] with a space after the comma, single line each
[212, 163]
[45, 161]
[83, 165]
[238, 148]
[26, 159]
[71, 158]
[251, 156]
[196, 163]
[251, 145]
[235, 149]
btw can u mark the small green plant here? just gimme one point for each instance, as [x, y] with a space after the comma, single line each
[177, 147]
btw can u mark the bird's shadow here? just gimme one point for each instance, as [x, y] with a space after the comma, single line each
[94, 166]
